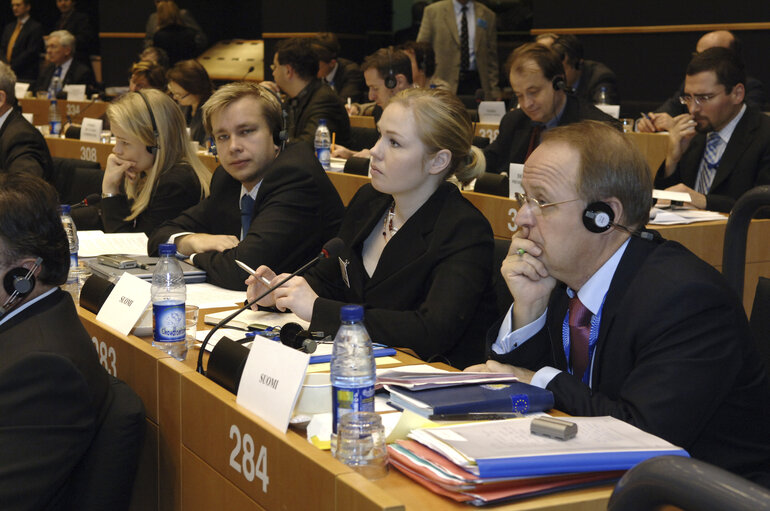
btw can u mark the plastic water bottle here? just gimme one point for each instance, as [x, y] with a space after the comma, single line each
[168, 297]
[323, 144]
[72, 234]
[353, 373]
[54, 119]
[603, 98]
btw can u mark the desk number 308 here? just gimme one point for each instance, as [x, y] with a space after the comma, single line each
[247, 467]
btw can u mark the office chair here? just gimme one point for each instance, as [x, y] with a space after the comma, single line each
[492, 184]
[357, 166]
[503, 295]
[734, 251]
[76, 179]
[686, 483]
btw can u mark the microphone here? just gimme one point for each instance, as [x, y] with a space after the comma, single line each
[83, 113]
[479, 96]
[294, 336]
[331, 248]
[90, 200]
[247, 73]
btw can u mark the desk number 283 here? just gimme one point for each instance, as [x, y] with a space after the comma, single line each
[247, 466]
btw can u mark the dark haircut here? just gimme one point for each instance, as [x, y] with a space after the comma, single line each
[193, 78]
[387, 60]
[300, 54]
[30, 225]
[327, 46]
[154, 73]
[155, 54]
[567, 45]
[423, 55]
[725, 63]
[544, 58]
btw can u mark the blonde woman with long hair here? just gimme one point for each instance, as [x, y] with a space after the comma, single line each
[153, 174]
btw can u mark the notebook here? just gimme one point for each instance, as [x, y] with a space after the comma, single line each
[191, 273]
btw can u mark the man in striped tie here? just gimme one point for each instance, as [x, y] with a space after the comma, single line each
[721, 147]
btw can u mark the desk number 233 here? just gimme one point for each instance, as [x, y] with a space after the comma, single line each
[247, 466]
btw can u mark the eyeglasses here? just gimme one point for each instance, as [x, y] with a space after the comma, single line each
[698, 99]
[536, 205]
[177, 96]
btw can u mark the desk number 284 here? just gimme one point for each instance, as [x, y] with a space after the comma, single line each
[247, 466]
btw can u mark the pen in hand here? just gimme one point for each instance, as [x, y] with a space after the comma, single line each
[245, 267]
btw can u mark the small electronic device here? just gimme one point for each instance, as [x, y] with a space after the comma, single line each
[552, 427]
[118, 261]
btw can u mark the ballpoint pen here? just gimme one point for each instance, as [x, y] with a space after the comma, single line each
[245, 267]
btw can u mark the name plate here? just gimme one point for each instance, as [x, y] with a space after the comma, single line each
[91, 130]
[75, 92]
[20, 90]
[515, 173]
[271, 381]
[126, 303]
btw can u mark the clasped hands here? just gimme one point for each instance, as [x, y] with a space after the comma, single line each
[295, 294]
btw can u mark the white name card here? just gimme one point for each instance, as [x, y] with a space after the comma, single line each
[21, 90]
[75, 92]
[674, 196]
[30, 117]
[271, 381]
[91, 130]
[126, 303]
[515, 173]
[491, 112]
[613, 110]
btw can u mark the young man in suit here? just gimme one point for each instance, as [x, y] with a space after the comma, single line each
[22, 42]
[342, 75]
[721, 148]
[22, 147]
[537, 79]
[53, 392]
[614, 320]
[463, 34]
[267, 205]
[62, 67]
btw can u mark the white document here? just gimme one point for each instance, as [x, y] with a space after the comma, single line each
[208, 296]
[249, 317]
[30, 117]
[613, 110]
[515, 175]
[91, 130]
[683, 216]
[94, 243]
[126, 303]
[21, 90]
[271, 381]
[491, 112]
[75, 92]
[666, 195]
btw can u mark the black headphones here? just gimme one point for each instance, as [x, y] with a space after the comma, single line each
[598, 217]
[390, 79]
[559, 83]
[18, 283]
[152, 149]
[280, 137]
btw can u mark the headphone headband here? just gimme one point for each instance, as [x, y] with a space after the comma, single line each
[152, 149]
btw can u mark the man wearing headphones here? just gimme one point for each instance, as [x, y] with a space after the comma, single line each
[53, 392]
[545, 101]
[267, 205]
[614, 320]
[588, 78]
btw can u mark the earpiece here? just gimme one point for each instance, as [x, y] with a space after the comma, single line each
[598, 217]
[280, 137]
[152, 149]
[294, 336]
[559, 83]
[390, 79]
[18, 283]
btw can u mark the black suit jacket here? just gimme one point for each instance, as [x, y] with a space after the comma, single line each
[86, 40]
[755, 98]
[177, 189]
[53, 396]
[512, 142]
[593, 76]
[297, 210]
[674, 357]
[23, 148]
[431, 290]
[349, 81]
[315, 102]
[745, 162]
[25, 60]
[77, 74]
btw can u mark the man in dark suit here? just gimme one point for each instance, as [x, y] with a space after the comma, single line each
[53, 392]
[463, 34]
[537, 79]
[588, 78]
[295, 70]
[288, 207]
[22, 147]
[27, 35]
[63, 69]
[79, 25]
[342, 75]
[617, 321]
[721, 148]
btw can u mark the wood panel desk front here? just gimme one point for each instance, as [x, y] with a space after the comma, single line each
[206, 452]
[72, 109]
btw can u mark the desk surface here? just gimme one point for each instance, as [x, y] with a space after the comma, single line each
[74, 110]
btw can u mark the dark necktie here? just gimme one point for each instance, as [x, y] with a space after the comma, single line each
[465, 53]
[247, 212]
[534, 139]
[709, 164]
[579, 334]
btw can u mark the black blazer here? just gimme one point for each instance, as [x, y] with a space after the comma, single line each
[25, 60]
[745, 163]
[53, 396]
[315, 102]
[177, 189]
[86, 41]
[674, 357]
[349, 81]
[297, 210]
[77, 74]
[23, 148]
[593, 76]
[431, 290]
[512, 142]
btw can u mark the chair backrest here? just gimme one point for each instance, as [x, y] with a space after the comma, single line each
[480, 142]
[492, 184]
[362, 138]
[105, 477]
[357, 166]
[760, 321]
[502, 293]
[688, 484]
[734, 250]
[75, 179]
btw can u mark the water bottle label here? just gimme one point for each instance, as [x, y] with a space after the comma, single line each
[168, 322]
[345, 400]
[324, 156]
[55, 127]
[73, 260]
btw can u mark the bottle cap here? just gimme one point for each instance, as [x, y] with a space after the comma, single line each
[322, 122]
[65, 209]
[352, 313]
[167, 249]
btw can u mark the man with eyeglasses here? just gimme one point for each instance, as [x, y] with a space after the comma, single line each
[615, 320]
[721, 148]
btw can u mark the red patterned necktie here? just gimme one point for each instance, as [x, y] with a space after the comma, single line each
[579, 333]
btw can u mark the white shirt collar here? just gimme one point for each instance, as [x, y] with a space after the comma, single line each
[459, 7]
[332, 73]
[727, 132]
[4, 117]
[592, 293]
[26, 304]
[252, 193]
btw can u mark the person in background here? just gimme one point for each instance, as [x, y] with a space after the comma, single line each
[62, 68]
[588, 78]
[22, 42]
[149, 178]
[342, 75]
[423, 60]
[155, 54]
[187, 20]
[173, 36]
[79, 25]
[190, 86]
[147, 75]
[417, 254]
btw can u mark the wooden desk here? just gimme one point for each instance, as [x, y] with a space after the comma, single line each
[654, 147]
[74, 109]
